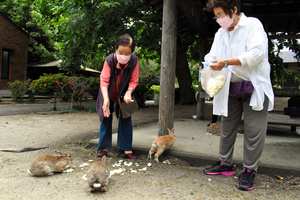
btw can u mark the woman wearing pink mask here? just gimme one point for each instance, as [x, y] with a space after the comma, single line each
[119, 78]
[240, 49]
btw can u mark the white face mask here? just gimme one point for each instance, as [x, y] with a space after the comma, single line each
[123, 59]
[225, 22]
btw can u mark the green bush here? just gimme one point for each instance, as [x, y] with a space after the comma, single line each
[94, 86]
[147, 78]
[31, 96]
[155, 89]
[61, 86]
[48, 84]
[29, 93]
[194, 71]
[18, 89]
[195, 88]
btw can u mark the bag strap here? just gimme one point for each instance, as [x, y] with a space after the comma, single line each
[119, 100]
[117, 82]
[115, 69]
[115, 65]
[115, 72]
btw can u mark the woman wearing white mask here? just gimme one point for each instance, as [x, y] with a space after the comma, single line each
[119, 78]
[240, 48]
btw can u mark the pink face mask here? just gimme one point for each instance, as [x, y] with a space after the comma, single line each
[123, 59]
[225, 22]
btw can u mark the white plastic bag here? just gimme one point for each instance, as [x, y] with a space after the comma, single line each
[212, 81]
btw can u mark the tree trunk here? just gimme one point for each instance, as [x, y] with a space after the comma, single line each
[186, 91]
[55, 102]
[168, 65]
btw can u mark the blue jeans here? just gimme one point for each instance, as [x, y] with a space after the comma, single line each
[124, 141]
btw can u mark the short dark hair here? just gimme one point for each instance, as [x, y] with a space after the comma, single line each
[125, 40]
[227, 5]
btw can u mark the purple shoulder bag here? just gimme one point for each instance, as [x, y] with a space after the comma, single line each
[240, 90]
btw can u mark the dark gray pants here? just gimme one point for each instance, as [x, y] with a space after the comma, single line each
[255, 128]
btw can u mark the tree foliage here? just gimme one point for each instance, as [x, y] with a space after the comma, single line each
[278, 68]
[82, 32]
[35, 17]
[92, 27]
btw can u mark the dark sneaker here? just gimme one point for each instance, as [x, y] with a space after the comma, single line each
[130, 156]
[219, 168]
[247, 180]
[102, 153]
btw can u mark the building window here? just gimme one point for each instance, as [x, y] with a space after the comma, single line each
[5, 64]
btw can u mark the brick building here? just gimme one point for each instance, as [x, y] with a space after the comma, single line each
[13, 52]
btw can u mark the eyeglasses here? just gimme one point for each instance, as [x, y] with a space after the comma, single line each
[218, 17]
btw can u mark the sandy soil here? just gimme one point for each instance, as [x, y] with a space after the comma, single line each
[140, 179]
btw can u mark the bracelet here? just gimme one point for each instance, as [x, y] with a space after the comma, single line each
[226, 64]
[130, 90]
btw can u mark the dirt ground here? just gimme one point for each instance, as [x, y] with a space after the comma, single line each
[133, 179]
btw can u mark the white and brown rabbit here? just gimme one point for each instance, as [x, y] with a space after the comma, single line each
[98, 173]
[48, 164]
[161, 143]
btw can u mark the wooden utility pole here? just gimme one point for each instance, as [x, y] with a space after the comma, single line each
[168, 64]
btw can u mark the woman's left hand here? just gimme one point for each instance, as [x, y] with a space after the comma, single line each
[217, 64]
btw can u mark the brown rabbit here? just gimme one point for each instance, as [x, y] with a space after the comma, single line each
[214, 128]
[161, 143]
[47, 164]
[99, 172]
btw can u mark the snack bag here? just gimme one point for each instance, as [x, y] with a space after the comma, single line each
[212, 81]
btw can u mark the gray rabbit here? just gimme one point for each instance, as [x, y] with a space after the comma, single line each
[99, 172]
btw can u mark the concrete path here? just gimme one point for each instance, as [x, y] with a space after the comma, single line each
[282, 147]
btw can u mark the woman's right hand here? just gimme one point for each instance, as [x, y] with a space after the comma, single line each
[217, 64]
[105, 108]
